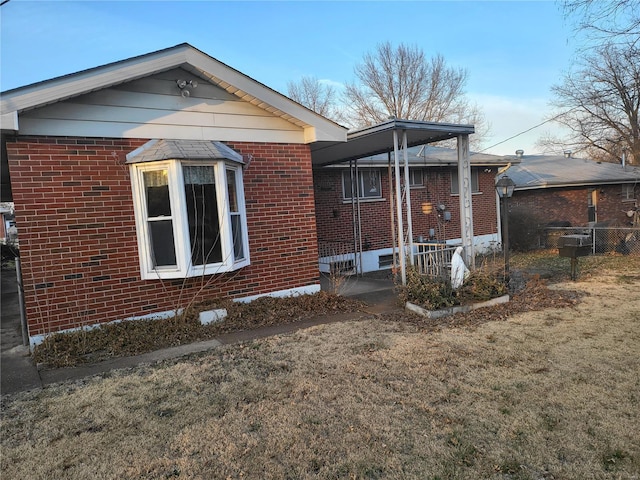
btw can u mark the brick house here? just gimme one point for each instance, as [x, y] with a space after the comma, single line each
[354, 205]
[143, 184]
[562, 189]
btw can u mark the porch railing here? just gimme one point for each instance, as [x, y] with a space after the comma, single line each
[433, 259]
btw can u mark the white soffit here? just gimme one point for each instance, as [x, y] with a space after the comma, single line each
[316, 127]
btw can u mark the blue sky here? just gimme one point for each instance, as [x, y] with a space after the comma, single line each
[513, 51]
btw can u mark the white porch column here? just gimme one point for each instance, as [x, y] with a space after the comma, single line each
[407, 192]
[401, 251]
[466, 209]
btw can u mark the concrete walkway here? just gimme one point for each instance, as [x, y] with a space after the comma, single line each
[19, 373]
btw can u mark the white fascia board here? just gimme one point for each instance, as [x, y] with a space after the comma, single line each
[9, 122]
[60, 88]
[317, 127]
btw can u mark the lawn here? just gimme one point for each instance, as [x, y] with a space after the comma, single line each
[547, 394]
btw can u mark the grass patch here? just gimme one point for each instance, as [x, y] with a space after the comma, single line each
[521, 398]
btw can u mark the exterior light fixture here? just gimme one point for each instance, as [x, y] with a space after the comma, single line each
[505, 187]
[185, 86]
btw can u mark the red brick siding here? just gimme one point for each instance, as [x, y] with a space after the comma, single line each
[79, 251]
[334, 216]
[570, 204]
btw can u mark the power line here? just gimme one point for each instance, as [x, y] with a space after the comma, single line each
[526, 131]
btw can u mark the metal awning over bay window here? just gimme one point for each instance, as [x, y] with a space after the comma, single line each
[189, 208]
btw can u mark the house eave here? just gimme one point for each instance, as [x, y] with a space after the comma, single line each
[315, 127]
[9, 122]
[544, 186]
[378, 138]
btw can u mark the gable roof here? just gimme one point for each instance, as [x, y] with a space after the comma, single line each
[315, 127]
[549, 171]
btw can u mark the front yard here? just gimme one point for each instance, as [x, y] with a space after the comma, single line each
[548, 394]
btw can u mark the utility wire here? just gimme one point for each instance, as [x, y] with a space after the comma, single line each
[525, 131]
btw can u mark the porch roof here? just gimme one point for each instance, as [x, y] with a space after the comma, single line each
[378, 139]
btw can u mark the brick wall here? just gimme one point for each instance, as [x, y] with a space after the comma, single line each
[334, 216]
[570, 204]
[74, 212]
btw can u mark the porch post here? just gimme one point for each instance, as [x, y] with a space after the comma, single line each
[465, 189]
[401, 252]
[407, 191]
[391, 214]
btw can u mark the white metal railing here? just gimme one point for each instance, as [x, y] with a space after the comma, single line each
[433, 259]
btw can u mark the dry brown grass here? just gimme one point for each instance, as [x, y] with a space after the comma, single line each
[550, 394]
[133, 338]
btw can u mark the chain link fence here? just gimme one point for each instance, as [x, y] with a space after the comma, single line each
[604, 240]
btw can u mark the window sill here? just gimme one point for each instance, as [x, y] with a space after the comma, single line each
[363, 200]
[193, 272]
[472, 193]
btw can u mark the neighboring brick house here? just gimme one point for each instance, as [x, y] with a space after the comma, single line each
[564, 190]
[112, 169]
[434, 204]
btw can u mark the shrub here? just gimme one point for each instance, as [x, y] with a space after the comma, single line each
[433, 294]
[427, 292]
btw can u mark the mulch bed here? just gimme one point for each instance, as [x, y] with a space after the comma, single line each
[535, 296]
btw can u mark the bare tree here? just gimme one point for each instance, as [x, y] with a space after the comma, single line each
[402, 83]
[317, 96]
[600, 103]
[606, 19]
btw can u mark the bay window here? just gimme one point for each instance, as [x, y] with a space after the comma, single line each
[190, 217]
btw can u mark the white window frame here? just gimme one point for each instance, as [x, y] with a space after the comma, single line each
[184, 267]
[475, 181]
[346, 178]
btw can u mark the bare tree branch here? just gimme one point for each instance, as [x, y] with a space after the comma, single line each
[316, 96]
[402, 83]
[600, 103]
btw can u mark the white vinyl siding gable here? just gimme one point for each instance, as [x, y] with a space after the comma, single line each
[154, 108]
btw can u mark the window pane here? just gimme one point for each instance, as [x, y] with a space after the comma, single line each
[236, 218]
[236, 231]
[231, 189]
[370, 183]
[475, 181]
[202, 215]
[346, 184]
[156, 185]
[163, 252]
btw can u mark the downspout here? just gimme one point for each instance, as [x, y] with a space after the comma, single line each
[23, 314]
[403, 268]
